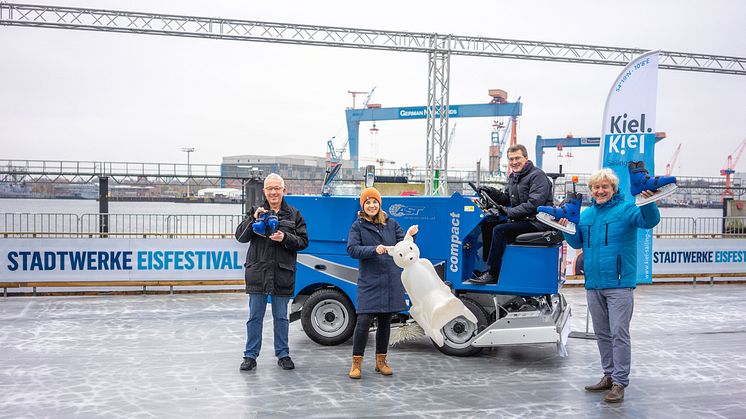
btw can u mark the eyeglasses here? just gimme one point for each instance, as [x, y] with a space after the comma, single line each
[274, 188]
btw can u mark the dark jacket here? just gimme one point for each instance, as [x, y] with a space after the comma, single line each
[528, 189]
[270, 265]
[379, 287]
[608, 235]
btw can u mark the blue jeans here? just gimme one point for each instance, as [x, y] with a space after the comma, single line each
[611, 312]
[257, 307]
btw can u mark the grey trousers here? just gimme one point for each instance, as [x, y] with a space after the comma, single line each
[611, 312]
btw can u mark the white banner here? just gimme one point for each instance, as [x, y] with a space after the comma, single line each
[120, 259]
[685, 256]
[673, 256]
[629, 135]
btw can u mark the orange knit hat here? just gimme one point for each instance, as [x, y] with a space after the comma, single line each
[370, 193]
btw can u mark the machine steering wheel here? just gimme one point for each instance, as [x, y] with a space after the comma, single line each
[484, 201]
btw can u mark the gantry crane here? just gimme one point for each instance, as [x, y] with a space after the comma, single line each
[730, 168]
[341, 150]
[670, 165]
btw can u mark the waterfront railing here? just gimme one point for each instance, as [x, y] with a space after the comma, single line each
[60, 225]
[48, 225]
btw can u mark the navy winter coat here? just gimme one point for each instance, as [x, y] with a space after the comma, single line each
[379, 287]
[608, 235]
[528, 189]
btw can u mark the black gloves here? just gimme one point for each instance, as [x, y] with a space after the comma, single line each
[502, 210]
[486, 189]
[496, 195]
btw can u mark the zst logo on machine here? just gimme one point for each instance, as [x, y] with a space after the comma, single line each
[628, 136]
[399, 210]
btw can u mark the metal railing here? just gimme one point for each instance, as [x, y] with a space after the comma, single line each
[701, 227]
[109, 168]
[47, 225]
[222, 226]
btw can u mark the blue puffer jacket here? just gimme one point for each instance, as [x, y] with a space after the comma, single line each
[379, 287]
[608, 235]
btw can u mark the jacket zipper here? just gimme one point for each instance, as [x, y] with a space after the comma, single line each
[607, 235]
[589, 236]
[619, 268]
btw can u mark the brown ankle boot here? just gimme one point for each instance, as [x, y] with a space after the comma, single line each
[357, 363]
[615, 395]
[604, 384]
[382, 366]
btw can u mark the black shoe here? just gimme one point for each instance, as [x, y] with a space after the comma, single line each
[248, 364]
[485, 278]
[286, 363]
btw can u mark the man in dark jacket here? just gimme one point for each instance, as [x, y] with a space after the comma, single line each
[528, 188]
[270, 270]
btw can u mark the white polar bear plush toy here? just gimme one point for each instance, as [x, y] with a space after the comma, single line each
[433, 304]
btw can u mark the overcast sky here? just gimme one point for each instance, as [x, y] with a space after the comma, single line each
[70, 95]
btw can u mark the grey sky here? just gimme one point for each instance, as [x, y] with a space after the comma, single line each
[72, 95]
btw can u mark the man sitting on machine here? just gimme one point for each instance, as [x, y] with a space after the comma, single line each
[528, 188]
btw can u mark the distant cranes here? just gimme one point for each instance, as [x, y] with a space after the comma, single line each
[335, 155]
[341, 150]
[497, 141]
[381, 162]
[730, 168]
[670, 165]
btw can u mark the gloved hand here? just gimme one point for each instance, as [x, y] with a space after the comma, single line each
[497, 195]
[502, 209]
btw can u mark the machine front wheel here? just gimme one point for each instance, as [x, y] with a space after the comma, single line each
[328, 317]
[459, 332]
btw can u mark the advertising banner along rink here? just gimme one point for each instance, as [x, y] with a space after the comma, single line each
[120, 259]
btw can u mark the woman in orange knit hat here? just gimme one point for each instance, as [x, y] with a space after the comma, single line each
[380, 293]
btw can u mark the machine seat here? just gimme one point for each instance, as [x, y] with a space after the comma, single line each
[541, 238]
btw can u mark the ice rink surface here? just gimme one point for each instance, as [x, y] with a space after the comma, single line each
[178, 356]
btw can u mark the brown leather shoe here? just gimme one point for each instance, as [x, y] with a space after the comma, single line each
[382, 366]
[603, 385]
[615, 395]
[357, 363]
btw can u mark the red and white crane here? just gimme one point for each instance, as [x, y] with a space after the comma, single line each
[670, 165]
[730, 167]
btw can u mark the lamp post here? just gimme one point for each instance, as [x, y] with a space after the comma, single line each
[189, 151]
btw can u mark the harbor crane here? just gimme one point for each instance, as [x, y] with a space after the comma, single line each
[730, 168]
[670, 165]
[382, 161]
[335, 155]
[340, 152]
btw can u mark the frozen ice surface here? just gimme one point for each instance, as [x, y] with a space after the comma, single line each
[178, 356]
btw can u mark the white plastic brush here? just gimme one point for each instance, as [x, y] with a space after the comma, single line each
[408, 332]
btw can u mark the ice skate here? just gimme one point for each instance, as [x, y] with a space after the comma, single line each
[569, 209]
[640, 181]
[266, 224]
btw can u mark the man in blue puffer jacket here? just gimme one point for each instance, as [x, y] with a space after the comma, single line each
[607, 233]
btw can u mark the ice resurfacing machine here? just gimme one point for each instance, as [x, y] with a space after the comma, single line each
[524, 307]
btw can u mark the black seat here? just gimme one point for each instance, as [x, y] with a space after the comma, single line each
[541, 238]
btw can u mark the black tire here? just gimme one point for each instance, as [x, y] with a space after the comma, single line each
[459, 332]
[328, 317]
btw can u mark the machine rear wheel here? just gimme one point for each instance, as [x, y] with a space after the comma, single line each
[328, 317]
[459, 332]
